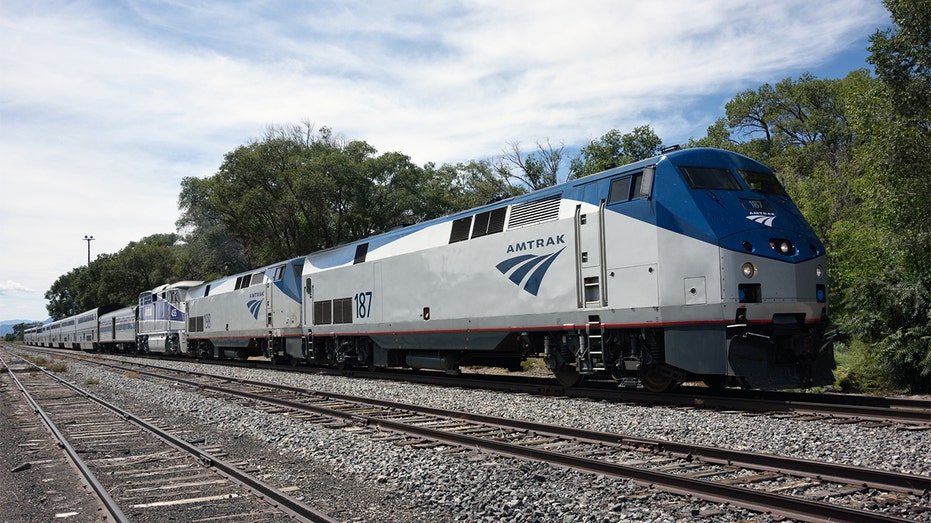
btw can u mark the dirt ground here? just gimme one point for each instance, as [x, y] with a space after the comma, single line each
[38, 483]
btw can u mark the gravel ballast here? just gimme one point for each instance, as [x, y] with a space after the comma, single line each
[360, 478]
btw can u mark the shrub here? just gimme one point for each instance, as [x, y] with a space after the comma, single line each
[857, 369]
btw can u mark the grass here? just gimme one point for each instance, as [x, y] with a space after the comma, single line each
[858, 371]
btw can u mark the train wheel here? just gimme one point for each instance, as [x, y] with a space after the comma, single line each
[567, 376]
[656, 382]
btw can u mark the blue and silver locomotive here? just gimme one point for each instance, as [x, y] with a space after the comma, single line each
[694, 265]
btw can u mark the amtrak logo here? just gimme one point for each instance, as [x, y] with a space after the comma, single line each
[254, 306]
[527, 270]
[763, 219]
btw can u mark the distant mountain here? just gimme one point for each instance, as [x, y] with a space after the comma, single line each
[6, 326]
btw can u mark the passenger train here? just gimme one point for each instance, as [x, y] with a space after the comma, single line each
[694, 265]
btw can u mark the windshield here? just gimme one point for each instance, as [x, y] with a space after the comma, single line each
[710, 178]
[763, 182]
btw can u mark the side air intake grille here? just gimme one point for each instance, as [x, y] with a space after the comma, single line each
[537, 211]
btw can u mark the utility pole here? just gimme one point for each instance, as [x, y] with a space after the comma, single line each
[88, 239]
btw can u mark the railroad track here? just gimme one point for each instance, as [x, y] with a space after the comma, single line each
[141, 472]
[786, 486]
[869, 410]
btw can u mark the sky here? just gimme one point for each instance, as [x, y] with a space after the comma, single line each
[106, 105]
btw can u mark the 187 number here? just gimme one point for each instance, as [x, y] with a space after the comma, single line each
[364, 304]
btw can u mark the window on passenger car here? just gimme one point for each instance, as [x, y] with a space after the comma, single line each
[763, 182]
[715, 178]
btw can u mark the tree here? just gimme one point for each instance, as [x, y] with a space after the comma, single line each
[297, 191]
[614, 149]
[535, 170]
[19, 330]
[888, 261]
[211, 250]
[62, 296]
[116, 278]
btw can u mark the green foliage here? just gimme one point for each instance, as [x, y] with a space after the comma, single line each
[614, 149]
[116, 278]
[534, 170]
[858, 370]
[297, 192]
[19, 329]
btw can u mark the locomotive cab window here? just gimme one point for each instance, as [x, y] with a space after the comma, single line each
[763, 183]
[620, 190]
[715, 178]
[632, 187]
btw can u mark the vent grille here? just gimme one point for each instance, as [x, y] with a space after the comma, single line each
[537, 211]
[489, 222]
[460, 230]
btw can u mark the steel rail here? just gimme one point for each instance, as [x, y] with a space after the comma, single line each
[907, 411]
[112, 507]
[278, 499]
[867, 477]
[806, 510]
[864, 408]
[921, 416]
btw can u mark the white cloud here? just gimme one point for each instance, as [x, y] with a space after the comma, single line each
[10, 286]
[105, 107]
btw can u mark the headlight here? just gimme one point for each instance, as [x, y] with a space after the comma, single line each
[748, 269]
[782, 246]
[819, 272]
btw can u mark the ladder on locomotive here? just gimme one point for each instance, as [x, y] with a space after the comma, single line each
[594, 336]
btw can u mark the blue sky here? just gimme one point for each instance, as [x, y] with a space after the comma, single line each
[105, 106]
